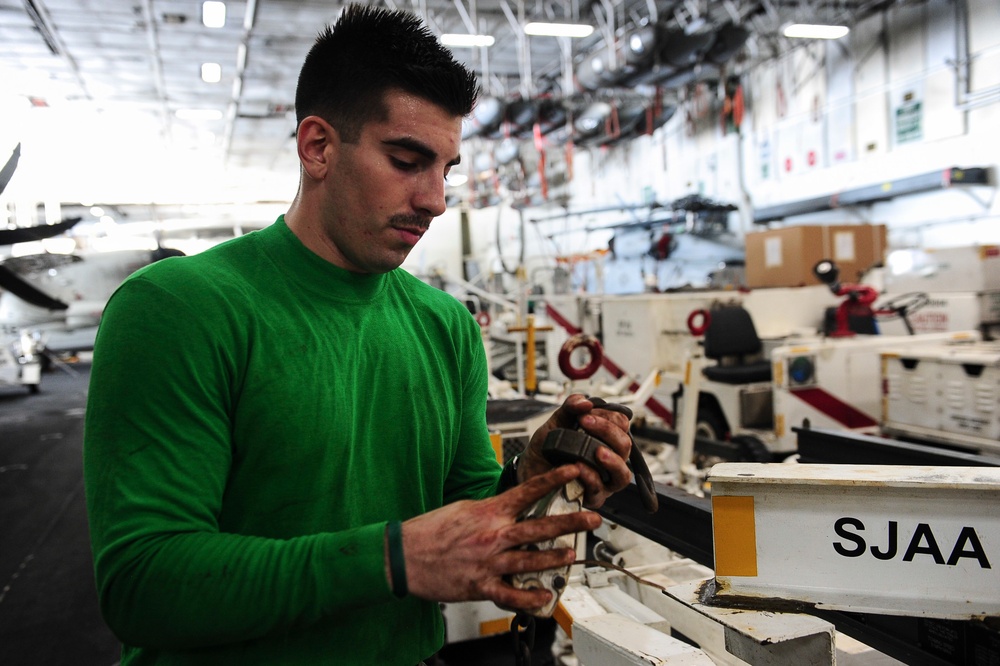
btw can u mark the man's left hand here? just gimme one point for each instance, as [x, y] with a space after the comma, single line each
[610, 427]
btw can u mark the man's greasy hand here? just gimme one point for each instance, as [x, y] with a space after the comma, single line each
[609, 426]
[462, 551]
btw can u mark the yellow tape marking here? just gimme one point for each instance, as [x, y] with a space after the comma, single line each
[563, 619]
[491, 627]
[496, 439]
[735, 536]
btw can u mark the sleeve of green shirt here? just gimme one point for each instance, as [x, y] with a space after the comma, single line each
[156, 459]
[476, 472]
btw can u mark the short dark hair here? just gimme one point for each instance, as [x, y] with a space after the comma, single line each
[368, 51]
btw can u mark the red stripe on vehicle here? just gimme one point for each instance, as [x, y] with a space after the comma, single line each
[838, 410]
[654, 405]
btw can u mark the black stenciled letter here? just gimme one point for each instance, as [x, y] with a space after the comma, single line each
[922, 532]
[890, 549]
[968, 536]
[857, 539]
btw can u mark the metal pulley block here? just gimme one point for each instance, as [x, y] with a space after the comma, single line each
[568, 499]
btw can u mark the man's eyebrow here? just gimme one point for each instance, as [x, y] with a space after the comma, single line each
[420, 148]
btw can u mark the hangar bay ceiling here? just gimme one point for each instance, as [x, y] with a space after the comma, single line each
[144, 58]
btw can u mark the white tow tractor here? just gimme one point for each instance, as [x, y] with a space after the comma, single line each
[760, 361]
[21, 362]
[836, 381]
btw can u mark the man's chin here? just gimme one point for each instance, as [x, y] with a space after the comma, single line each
[389, 262]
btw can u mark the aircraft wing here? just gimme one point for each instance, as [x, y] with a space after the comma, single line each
[8, 169]
[28, 292]
[37, 232]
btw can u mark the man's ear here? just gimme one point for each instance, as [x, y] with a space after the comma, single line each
[317, 143]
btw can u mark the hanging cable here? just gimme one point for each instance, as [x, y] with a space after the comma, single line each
[520, 258]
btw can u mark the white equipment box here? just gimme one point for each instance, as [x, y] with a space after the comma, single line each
[890, 539]
[836, 382]
[949, 394]
[962, 283]
[974, 268]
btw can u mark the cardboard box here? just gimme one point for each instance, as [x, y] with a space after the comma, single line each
[785, 257]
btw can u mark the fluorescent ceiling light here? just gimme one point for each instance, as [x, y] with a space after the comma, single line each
[199, 114]
[456, 179]
[807, 31]
[558, 29]
[213, 14]
[211, 72]
[452, 39]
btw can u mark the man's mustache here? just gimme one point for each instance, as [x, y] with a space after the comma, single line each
[420, 222]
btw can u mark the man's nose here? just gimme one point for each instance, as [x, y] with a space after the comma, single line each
[429, 197]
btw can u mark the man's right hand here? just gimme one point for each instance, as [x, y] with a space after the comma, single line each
[462, 551]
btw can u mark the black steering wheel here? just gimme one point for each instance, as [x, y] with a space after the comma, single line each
[902, 305]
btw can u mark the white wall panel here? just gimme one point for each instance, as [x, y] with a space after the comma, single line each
[943, 119]
[870, 80]
[840, 126]
[984, 43]
[907, 65]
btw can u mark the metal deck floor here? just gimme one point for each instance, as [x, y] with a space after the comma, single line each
[48, 602]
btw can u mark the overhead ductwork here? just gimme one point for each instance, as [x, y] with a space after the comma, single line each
[658, 55]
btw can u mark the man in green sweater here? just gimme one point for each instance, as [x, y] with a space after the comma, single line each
[286, 452]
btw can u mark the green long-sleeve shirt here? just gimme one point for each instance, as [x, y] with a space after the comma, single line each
[256, 415]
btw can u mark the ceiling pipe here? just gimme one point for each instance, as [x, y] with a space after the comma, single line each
[249, 20]
[606, 23]
[654, 13]
[467, 19]
[470, 19]
[152, 38]
[526, 85]
[39, 16]
[484, 59]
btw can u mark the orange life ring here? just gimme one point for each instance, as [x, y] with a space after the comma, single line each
[698, 329]
[571, 345]
[483, 318]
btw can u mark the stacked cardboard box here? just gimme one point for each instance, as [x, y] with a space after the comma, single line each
[785, 257]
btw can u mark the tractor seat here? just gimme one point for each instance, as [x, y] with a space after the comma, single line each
[731, 340]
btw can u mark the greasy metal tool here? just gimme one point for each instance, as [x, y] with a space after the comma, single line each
[568, 499]
[566, 446]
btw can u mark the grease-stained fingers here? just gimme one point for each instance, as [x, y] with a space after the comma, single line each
[616, 467]
[524, 561]
[616, 417]
[507, 596]
[609, 431]
[550, 527]
[523, 495]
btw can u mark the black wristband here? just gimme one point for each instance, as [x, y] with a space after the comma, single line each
[397, 563]
[508, 476]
